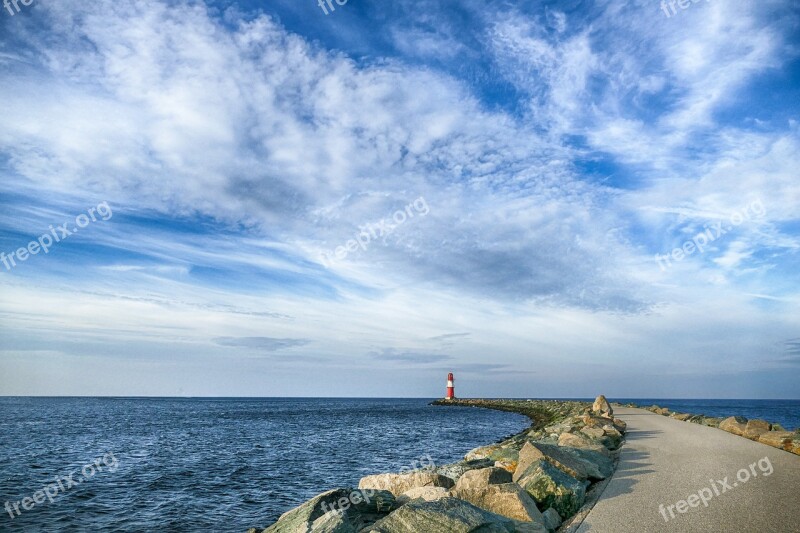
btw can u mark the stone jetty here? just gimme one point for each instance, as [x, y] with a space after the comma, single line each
[531, 482]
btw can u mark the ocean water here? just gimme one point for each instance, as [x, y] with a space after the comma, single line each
[212, 464]
[783, 412]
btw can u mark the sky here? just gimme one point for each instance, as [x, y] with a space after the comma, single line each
[280, 198]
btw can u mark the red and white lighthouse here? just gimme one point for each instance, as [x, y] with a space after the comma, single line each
[451, 390]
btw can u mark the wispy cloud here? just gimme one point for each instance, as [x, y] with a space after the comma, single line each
[558, 147]
[392, 354]
[266, 344]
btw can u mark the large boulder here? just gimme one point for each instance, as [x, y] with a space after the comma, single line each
[397, 484]
[599, 465]
[336, 511]
[456, 470]
[450, 515]
[777, 439]
[429, 494]
[554, 455]
[593, 432]
[602, 407]
[612, 436]
[482, 478]
[495, 452]
[576, 441]
[755, 428]
[551, 487]
[332, 523]
[507, 499]
[734, 424]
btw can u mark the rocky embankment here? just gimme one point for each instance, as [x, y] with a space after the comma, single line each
[758, 430]
[530, 482]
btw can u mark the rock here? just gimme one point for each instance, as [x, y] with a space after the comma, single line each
[595, 433]
[358, 509]
[495, 452]
[551, 487]
[710, 421]
[598, 464]
[450, 515]
[456, 470]
[777, 439]
[429, 494]
[508, 466]
[332, 523]
[755, 428]
[683, 417]
[397, 484]
[552, 520]
[593, 421]
[576, 441]
[508, 500]
[613, 435]
[556, 456]
[778, 427]
[734, 424]
[621, 426]
[602, 406]
[557, 429]
[478, 479]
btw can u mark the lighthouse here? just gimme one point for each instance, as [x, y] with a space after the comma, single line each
[451, 390]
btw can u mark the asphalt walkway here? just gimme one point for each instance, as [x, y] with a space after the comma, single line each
[738, 485]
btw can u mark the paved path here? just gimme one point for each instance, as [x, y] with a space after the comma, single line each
[665, 460]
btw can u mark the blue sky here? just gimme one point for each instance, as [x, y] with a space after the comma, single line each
[525, 161]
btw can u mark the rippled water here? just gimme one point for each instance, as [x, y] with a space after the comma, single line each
[214, 464]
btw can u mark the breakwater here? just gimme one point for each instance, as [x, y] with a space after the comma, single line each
[533, 481]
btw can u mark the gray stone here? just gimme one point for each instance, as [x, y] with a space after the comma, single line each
[508, 500]
[456, 470]
[475, 479]
[576, 441]
[552, 520]
[336, 511]
[428, 494]
[551, 487]
[397, 484]
[555, 455]
[598, 464]
[450, 515]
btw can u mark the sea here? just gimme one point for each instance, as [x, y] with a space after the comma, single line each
[198, 464]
